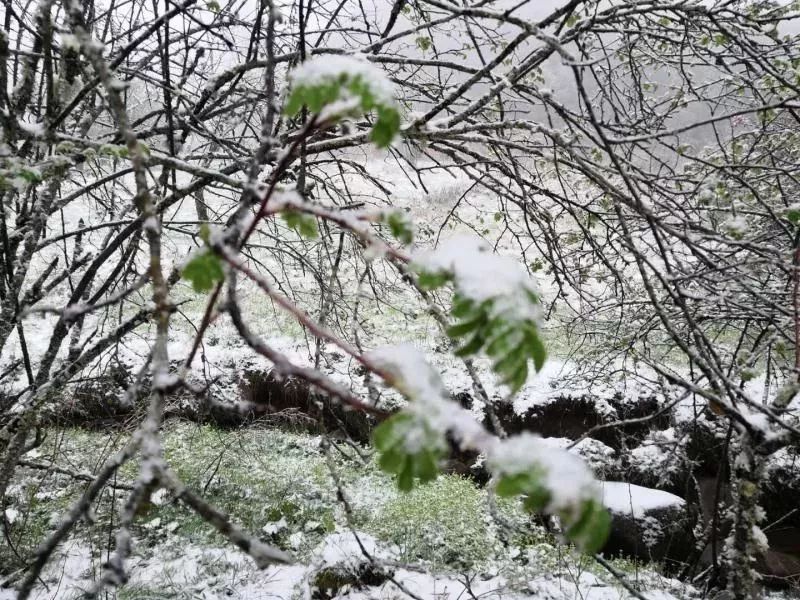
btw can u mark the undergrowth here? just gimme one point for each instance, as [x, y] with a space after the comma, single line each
[278, 485]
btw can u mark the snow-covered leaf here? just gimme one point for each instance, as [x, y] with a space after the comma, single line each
[341, 86]
[203, 271]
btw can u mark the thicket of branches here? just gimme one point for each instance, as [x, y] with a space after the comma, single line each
[644, 156]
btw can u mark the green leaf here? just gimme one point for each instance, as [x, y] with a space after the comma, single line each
[390, 439]
[536, 349]
[463, 307]
[323, 91]
[512, 485]
[529, 484]
[423, 43]
[518, 378]
[510, 363]
[386, 126]
[426, 466]
[390, 432]
[203, 271]
[473, 346]
[30, 175]
[466, 327]
[305, 225]
[431, 281]
[590, 531]
[537, 499]
[400, 226]
[504, 342]
[391, 461]
[405, 478]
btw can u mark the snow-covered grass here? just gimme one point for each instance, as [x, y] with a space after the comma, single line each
[442, 522]
[278, 485]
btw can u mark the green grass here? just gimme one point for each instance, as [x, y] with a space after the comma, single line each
[140, 592]
[439, 522]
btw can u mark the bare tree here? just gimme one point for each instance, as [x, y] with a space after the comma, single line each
[643, 154]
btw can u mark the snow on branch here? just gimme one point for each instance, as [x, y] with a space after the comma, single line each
[414, 441]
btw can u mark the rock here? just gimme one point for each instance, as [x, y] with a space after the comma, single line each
[703, 442]
[466, 463]
[648, 524]
[638, 408]
[780, 569]
[600, 458]
[660, 462]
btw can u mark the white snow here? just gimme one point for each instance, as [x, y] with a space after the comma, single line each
[481, 275]
[628, 499]
[36, 129]
[565, 475]
[321, 70]
[596, 454]
[343, 549]
[411, 373]
[419, 382]
[735, 225]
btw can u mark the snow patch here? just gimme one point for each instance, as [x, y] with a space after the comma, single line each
[628, 499]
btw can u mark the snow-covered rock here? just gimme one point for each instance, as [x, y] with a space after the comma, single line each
[646, 523]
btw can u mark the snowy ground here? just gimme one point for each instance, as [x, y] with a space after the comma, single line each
[279, 484]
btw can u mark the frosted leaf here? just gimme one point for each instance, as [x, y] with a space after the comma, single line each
[565, 476]
[736, 227]
[481, 275]
[331, 69]
[411, 373]
[496, 306]
[335, 87]
[422, 384]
